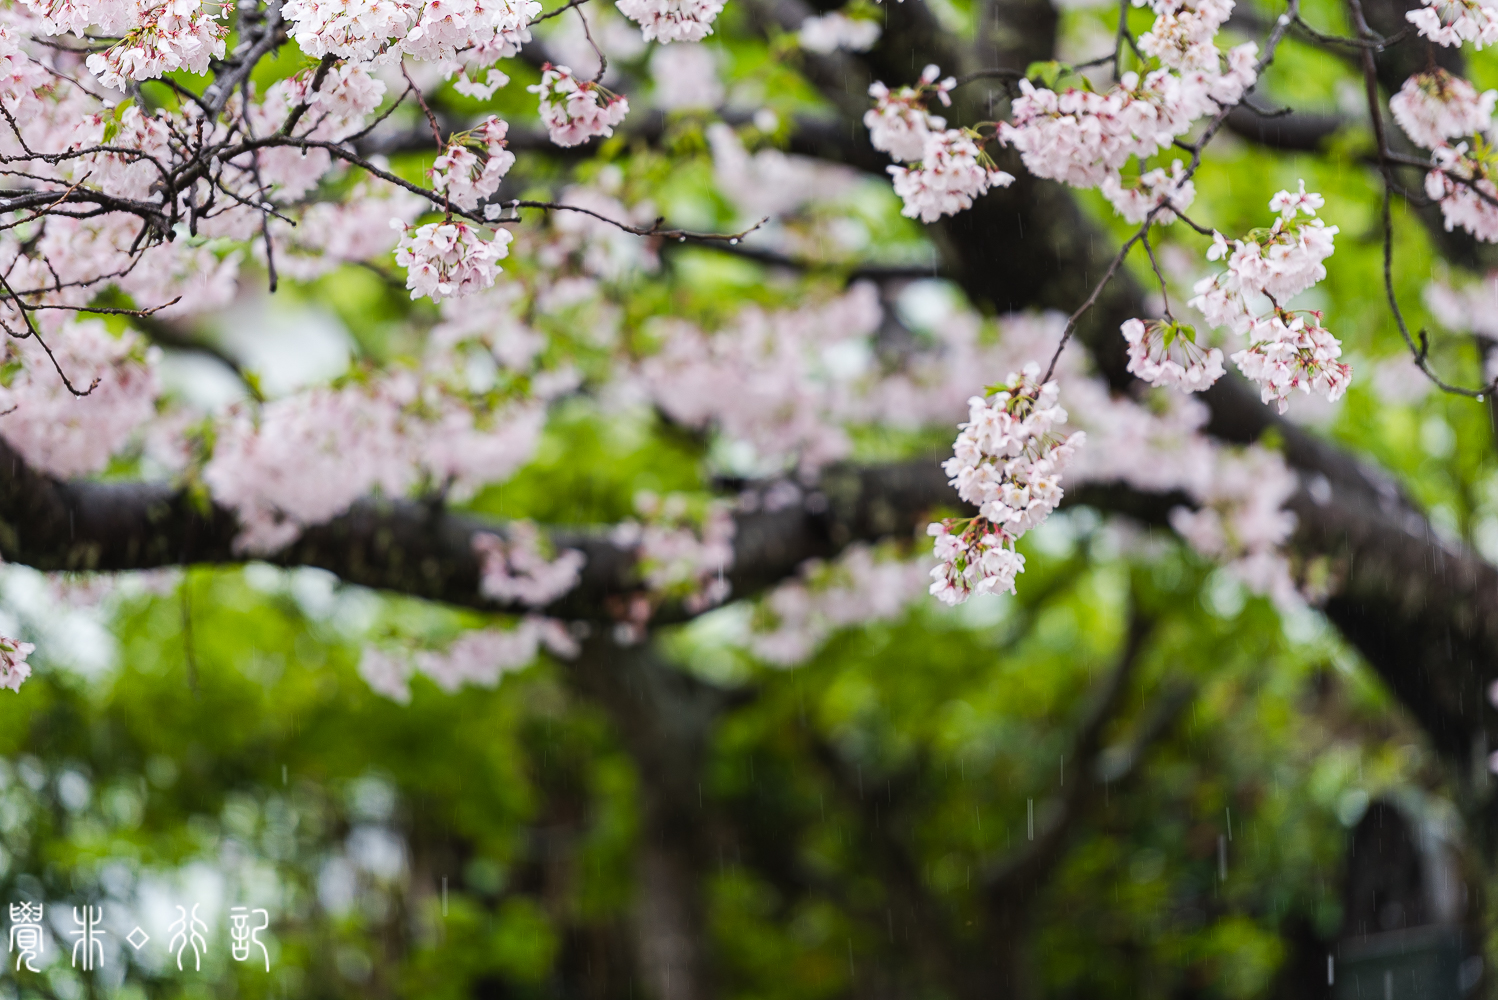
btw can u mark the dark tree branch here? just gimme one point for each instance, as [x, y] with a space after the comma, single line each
[1299, 131]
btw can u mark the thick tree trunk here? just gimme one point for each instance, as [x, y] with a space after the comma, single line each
[668, 918]
[664, 719]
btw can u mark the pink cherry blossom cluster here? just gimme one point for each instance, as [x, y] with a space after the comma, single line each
[948, 167]
[1007, 461]
[574, 110]
[177, 34]
[357, 30]
[794, 192]
[458, 172]
[1293, 351]
[306, 458]
[112, 17]
[1287, 350]
[765, 380]
[515, 570]
[862, 586]
[836, 31]
[1467, 308]
[1242, 521]
[481, 657]
[449, 258]
[1452, 22]
[953, 171]
[1435, 106]
[682, 549]
[1154, 188]
[13, 666]
[667, 21]
[1165, 353]
[474, 32]
[56, 431]
[330, 234]
[899, 123]
[1085, 138]
[1462, 182]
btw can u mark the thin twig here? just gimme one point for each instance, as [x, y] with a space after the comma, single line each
[425, 109]
[1154, 264]
[603, 60]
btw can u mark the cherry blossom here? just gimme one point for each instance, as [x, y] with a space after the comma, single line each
[1279, 262]
[1468, 308]
[333, 233]
[1007, 462]
[460, 174]
[765, 381]
[672, 20]
[833, 31]
[1242, 520]
[481, 657]
[1462, 183]
[686, 76]
[178, 34]
[682, 549]
[157, 205]
[575, 111]
[772, 184]
[1085, 138]
[57, 431]
[1452, 22]
[449, 258]
[351, 29]
[1155, 187]
[1166, 354]
[952, 172]
[13, 666]
[1436, 106]
[387, 673]
[861, 586]
[899, 123]
[474, 31]
[1293, 351]
[515, 570]
[305, 459]
[1287, 349]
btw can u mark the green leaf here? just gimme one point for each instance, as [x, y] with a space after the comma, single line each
[112, 123]
[252, 382]
[1047, 73]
